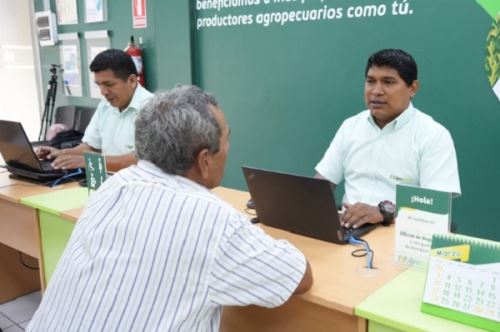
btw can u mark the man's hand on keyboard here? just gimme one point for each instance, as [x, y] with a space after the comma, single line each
[358, 214]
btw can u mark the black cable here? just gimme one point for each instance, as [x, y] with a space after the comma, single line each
[359, 252]
[24, 264]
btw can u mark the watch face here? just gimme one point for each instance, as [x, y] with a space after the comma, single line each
[389, 207]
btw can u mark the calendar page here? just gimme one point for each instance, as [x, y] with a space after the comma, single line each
[473, 289]
[463, 280]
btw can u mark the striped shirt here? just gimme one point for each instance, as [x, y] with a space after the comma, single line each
[158, 252]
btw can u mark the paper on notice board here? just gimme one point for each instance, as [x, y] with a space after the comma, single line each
[66, 12]
[94, 89]
[94, 11]
[71, 74]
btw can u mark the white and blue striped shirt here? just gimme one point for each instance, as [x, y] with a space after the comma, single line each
[157, 252]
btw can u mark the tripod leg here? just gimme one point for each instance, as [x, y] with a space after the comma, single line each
[48, 109]
[43, 122]
[52, 105]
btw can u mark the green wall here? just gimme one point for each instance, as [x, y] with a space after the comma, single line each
[286, 89]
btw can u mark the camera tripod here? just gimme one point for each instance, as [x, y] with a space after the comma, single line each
[50, 100]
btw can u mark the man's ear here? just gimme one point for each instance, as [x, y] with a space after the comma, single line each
[414, 88]
[203, 164]
[133, 79]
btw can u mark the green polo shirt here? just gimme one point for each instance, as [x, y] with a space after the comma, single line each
[112, 131]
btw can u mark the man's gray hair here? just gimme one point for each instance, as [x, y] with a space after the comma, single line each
[174, 126]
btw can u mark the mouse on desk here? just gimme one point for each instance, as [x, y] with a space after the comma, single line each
[251, 204]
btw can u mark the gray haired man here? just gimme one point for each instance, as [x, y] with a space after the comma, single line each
[155, 250]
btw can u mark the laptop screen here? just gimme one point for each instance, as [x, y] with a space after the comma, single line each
[15, 146]
[299, 204]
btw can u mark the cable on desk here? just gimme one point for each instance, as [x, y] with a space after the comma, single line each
[24, 264]
[66, 176]
[366, 251]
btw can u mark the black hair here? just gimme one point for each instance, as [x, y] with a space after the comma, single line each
[119, 62]
[396, 59]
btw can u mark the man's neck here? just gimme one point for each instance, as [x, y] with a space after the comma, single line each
[130, 100]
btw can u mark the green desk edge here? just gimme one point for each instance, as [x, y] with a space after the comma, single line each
[397, 306]
[58, 201]
[55, 231]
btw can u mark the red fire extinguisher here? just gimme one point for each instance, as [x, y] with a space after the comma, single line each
[136, 54]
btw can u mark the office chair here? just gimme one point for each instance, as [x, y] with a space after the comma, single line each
[74, 117]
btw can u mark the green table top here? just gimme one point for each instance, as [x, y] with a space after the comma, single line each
[397, 304]
[58, 201]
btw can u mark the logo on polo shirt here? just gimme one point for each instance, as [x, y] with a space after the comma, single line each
[402, 180]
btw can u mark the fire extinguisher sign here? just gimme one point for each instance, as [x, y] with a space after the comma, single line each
[139, 17]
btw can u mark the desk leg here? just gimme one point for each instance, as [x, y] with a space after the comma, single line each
[15, 279]
[295, 315]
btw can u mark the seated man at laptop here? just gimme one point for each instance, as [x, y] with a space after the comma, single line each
[392, 142]
[111, 129]
[155, 249]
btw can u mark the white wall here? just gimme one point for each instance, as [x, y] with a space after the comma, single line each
[19, 92]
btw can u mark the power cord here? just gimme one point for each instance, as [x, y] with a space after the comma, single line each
[66, 176]
[366, 251]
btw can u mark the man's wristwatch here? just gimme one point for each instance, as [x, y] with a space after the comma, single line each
[388, 210]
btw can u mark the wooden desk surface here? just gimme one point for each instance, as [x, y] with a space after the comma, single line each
[13, 190]
[340, 281]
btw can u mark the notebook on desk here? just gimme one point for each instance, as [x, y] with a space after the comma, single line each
[298, 204]
[19, 156]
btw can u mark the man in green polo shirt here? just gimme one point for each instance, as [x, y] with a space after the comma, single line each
[111, 129]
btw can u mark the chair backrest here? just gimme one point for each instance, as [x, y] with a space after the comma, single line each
[65, 115]
[75, 117]
[82, 117]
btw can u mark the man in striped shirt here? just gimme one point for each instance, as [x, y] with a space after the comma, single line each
[155, 250]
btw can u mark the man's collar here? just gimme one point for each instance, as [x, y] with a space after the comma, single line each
[135, 102]
[402, 118]
[151, 168]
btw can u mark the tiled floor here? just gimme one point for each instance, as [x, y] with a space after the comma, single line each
[16, 314]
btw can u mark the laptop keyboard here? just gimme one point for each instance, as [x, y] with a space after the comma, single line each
[46, 165]
[348, 230]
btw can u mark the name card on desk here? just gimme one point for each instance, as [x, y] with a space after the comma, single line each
[95, 168]
[463, 281]
[421, 213]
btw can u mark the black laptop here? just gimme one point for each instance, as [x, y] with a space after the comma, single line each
[19, 156]
[298, 204]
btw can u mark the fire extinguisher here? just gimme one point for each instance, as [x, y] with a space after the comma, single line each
[136, 54]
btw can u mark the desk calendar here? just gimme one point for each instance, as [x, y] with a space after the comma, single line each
[463, 281]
